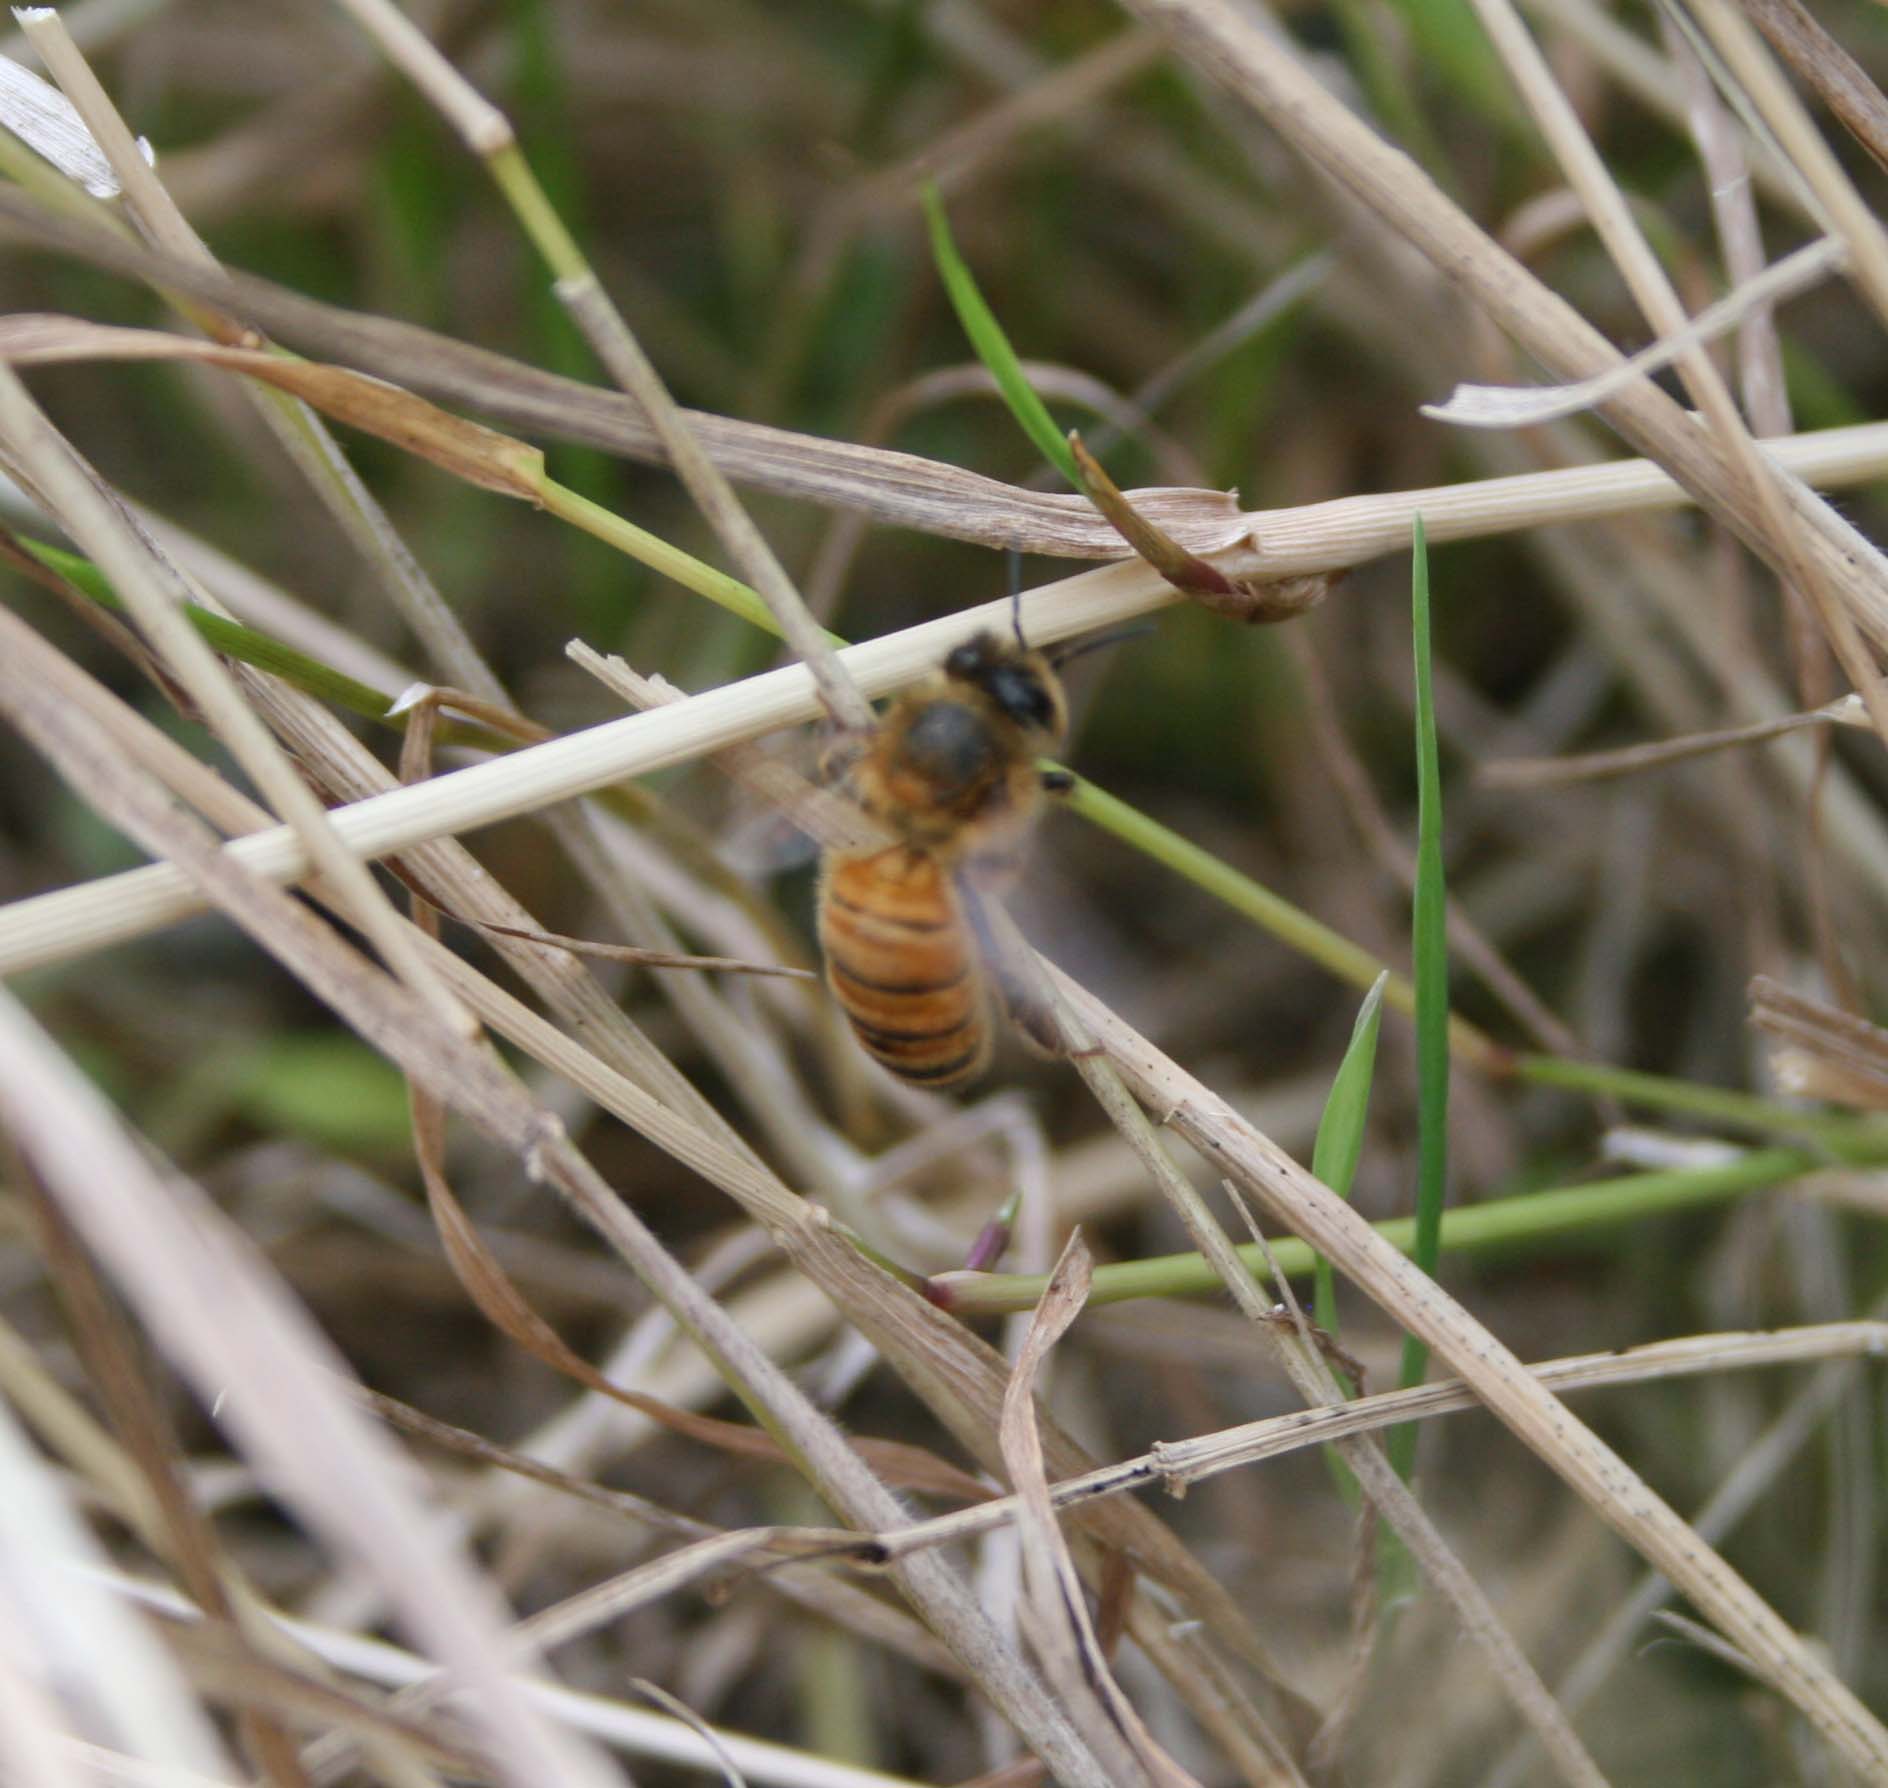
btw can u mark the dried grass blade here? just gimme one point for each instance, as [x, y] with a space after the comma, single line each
[49, 124]
[255, 1685]
[1850, 1053]
[898, 489]
[245, 1345]
[957, 1375]
[498, 1299]
[181, 1530]
[664, 959]
[1615, 1492]
[878, 1622]
[647, 1735]
[1187, 572]
[479, 455]
[88, 510]
[1753, 68]
[730, 1773]
[1347, 531]
[1180, 1464]
[1106, 1071]
[1509, 406]
[479, 1087]
[1827, 69]
[1630, 760]
[55, 1612]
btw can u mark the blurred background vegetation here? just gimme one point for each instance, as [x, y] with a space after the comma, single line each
[742, 175]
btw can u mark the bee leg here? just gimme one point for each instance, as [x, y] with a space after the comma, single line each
[1058, 782]
[840, 754]
[1036, 1024]
[1034, 1021]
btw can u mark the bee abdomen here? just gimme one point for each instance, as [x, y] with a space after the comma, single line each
[902, 963]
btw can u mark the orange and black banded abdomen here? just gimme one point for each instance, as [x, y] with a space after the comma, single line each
[904, 965]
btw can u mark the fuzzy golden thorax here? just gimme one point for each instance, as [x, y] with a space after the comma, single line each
[951, 766]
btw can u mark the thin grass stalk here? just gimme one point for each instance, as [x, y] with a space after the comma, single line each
[659, 1738]
[57, 1605]
[471, 1080]
[490, 136]
[183, 1535]
[1264, 74]
[1754, 68]
[1788, 549]
[1604, 1480]
[1321, 536]
[302, 434]
[1753, 1475]
[1382, 1487]
[1430, 953]
[1496, 1225]
[1181, 1464]
[1827, 69]
[184, 1270]
[896, 488]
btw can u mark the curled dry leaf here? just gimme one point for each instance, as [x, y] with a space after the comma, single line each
[1059, 1625]
[1238, 599]
[502, 1304]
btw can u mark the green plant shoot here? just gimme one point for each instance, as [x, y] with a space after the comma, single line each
[992, 345]
[1431, 955]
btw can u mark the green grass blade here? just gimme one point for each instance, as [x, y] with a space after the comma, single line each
[992, 345]
[1334, 1157]
[231, 638]
[1431, 954]
[1528, 1222]
[1340, 1140]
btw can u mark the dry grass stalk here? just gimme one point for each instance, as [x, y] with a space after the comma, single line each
[470, 1080]
[1055, 1610]
[1180, 1464]
[1382, 1488]
[1837, 1055]
[1322, 536]
[654, 1736]
[105, 751]
[1388, 184]
[1611, 1488]
[195, 1283]
[91, 518]
[1830, 72]
[1750, 1478]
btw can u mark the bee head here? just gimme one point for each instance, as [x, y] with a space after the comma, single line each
[1016, 682]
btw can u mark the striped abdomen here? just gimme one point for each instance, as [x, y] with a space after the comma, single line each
[903, 963]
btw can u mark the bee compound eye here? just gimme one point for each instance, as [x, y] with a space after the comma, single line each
[964, 662]
[1022, 697]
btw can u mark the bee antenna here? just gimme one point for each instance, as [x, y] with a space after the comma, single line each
[1016, 598]
[1113, 637]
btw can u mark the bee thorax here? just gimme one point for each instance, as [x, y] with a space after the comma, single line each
[950, 749]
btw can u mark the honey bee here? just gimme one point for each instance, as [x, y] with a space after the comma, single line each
[950, 773]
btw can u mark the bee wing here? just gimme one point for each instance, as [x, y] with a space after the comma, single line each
[1015, 980]
[793, 816]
